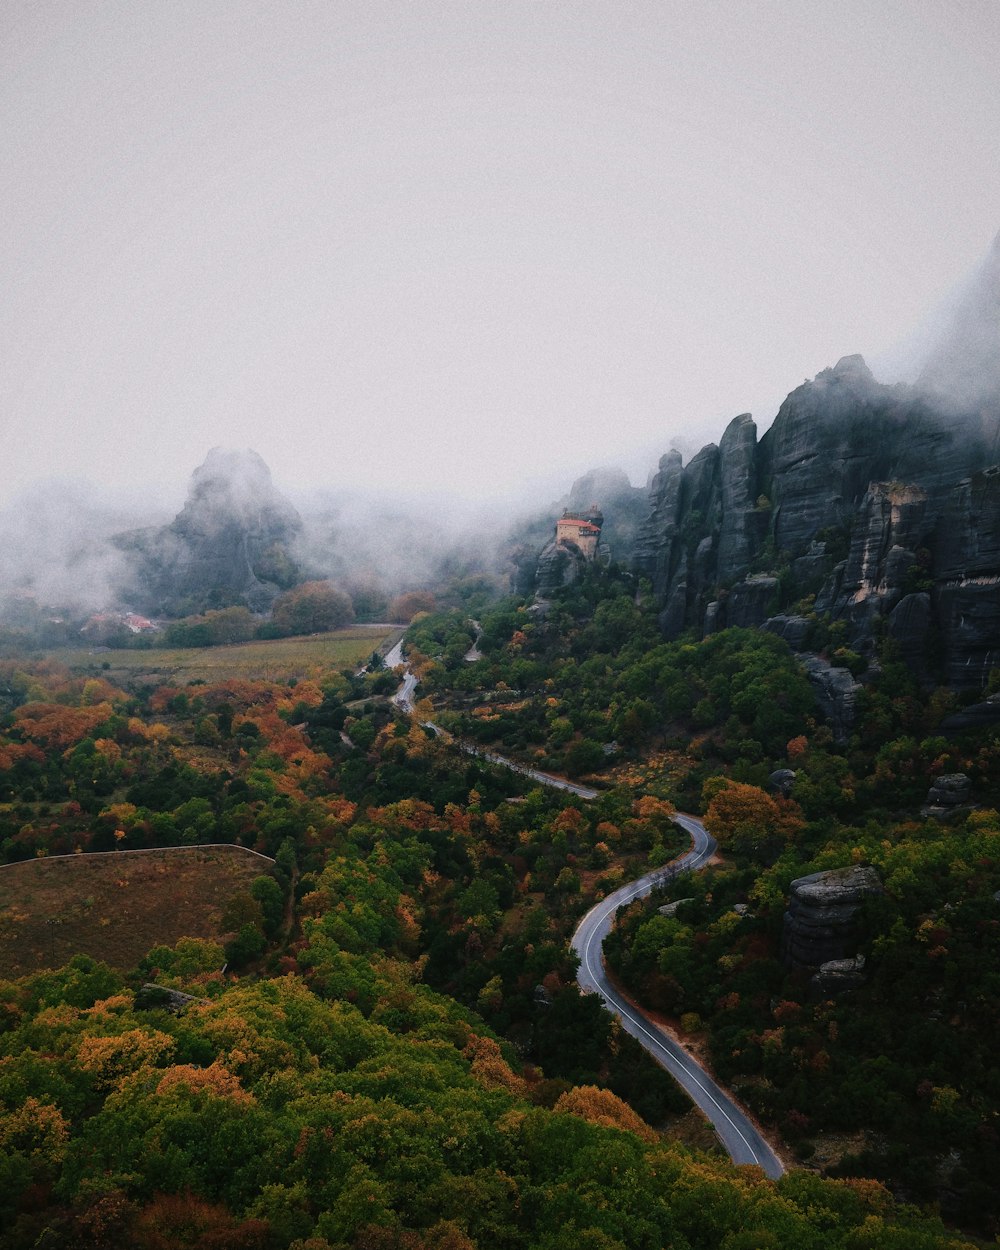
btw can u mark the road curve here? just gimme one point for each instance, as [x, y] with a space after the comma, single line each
[740, 1138]
[403, 699]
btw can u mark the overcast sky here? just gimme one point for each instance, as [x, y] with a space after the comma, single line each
[466, 246]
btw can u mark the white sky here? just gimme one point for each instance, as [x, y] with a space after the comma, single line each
[463, 247]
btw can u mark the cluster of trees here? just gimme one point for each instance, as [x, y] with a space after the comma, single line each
[269, 1115]
[903, 1060]
[906, 1058]
[403, 1058]
[593, 682]
[309, 608]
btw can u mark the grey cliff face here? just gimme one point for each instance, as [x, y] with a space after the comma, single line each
[967, 578]
[658, 534]
[880, 502]
[231, 543]
[558, 566]
[882, 505]
[738, 532]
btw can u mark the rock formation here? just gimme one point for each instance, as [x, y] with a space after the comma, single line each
[949, 798]
[836, 694]
[781, 781]
[232, 542]
[837, 976]
[820, 921]
[882, 502]
[867, 496]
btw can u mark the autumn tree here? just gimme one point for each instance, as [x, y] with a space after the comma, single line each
[743, 818]
[406, 606]
[312, 608]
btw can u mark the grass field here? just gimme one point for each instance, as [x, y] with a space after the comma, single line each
[115, 906]
[275, 660]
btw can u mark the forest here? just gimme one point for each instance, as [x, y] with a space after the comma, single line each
[385, 1046]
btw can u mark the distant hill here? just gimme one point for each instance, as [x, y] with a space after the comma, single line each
[232, 543]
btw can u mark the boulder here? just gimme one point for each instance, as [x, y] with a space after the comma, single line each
[670, 909]
[794, 630]
[948, 798]
[838, 976]
[977, 717]
[819, 924]
[950, 790]
[781, 781]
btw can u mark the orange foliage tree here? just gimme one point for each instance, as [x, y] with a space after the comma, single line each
[60, 727]
[745, 819]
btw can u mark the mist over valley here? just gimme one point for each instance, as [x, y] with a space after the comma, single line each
[499, 626]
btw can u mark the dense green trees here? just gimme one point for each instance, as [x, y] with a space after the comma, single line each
[266, 1116]
[380, 1062]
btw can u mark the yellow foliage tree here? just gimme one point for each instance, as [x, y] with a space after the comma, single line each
[600, 1106]
[111, 1058]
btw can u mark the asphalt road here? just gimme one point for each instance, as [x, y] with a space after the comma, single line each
[740, 1138]
[743, 1142]
[403, 699]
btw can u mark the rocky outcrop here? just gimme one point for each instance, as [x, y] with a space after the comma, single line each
[559, 564]
[232, 543]
[568, 554]
[819, 924]
[949, 798]
[880, 502]
[794, 629]
[979, 716]
[670, 909]
[838, 976]
[867, 496]
[175, 1001]
[822, 452]
[781, 781]
[836, 694]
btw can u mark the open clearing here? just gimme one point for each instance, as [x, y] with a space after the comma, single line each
[276, 659]
[116, 906]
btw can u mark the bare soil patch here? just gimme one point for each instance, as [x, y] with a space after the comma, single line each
[116, 906]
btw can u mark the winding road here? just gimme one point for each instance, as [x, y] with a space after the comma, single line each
[738, 1135]
[403, 699]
